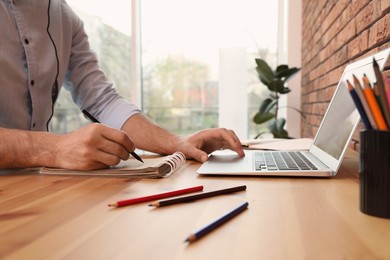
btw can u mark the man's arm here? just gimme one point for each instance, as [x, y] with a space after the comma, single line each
[21, 149]
[91, 147]
[98, 146]
[148, 136]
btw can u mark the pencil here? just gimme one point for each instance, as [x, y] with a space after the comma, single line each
[376, 112]
[377, 95]
[196, 196]
[216, 223]
[358, 105]
[382, 92]
[363, 100]
[173, 193]
[387, 89]
[93, 119]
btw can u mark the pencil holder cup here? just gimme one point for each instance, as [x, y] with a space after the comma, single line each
[375, 173]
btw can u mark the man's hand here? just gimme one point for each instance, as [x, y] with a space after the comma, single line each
[92, 147]
[198, 145]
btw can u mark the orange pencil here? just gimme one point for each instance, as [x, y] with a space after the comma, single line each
[363, 100]
[371, 100]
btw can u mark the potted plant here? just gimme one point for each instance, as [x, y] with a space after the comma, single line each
[275, 80]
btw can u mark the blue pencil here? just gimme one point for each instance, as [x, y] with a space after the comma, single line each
[216, 223]
[359, 105]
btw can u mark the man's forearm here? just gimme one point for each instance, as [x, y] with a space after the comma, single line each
[148, 136]
[20, 149]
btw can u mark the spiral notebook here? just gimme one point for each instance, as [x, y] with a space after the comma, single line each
[151, 168]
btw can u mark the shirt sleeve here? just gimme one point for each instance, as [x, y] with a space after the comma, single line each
[88, 85]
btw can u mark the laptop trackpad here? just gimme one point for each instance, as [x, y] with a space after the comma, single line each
[227, 161]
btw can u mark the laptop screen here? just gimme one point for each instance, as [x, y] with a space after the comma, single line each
[338, 123]
[342, 116]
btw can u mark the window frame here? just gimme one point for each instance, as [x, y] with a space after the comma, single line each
[289, 52]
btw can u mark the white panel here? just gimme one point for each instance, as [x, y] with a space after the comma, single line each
[289, 52]
[294, 60]
[233, 105]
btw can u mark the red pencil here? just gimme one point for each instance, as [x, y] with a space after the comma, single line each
[123, 203]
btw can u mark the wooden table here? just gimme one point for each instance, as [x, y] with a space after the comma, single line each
[52, 217]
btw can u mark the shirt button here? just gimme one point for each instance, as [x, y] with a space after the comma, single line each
[32, 82]
[26, 41]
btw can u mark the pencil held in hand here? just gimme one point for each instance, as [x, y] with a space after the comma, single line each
[93, 119]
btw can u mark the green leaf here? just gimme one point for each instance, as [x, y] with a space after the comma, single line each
[281, 134]
[266, 106]
[276, 128]
[264, 71]
[285, 90]
[263, 80]
[261, 118]
[280, 122]
[276, 85]
[287, 74]
[281, 68]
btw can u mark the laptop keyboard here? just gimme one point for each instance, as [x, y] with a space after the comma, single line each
[273, 161]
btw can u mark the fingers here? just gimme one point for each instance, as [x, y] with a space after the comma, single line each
[95, 146]
[114, 145]
[118, 137]
[196, 154]
[113, 148]
[222, 138]
[204, 142]
[232, 141]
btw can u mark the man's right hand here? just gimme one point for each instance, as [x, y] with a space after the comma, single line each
[94, 146]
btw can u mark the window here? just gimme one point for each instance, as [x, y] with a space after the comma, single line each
[184, 47]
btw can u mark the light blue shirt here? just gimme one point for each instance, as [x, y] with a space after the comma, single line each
[28, 67]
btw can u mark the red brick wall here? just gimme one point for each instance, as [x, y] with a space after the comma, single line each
[334, 33]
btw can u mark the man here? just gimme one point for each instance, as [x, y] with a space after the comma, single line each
[42, 45]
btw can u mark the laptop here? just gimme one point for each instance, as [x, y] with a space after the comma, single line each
[325, 155]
